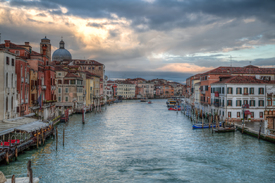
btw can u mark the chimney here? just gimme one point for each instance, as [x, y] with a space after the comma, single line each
[27, 43]
[7, 43]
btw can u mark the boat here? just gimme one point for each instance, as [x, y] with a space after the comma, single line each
[174, 109]
[199, 126]
[149, 102]
[143, 100]
[171, 102]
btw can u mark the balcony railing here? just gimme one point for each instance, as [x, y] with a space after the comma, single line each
[22, 79]
[44, 87]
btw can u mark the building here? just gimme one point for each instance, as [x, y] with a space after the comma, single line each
[8, 85]
[231, 94]
[145, 89]
[126, 89]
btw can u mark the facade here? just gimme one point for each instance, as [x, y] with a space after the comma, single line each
[126, 90]
[145, 89]
[8, 86]
[230, 95]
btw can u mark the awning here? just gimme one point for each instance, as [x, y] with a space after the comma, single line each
[247, 112]
[37, 125]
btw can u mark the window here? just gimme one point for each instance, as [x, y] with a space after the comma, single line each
[206, 88]
[66, 82]
[245, 91]
[72, 81]
[238, 102]
[66, 90]
[261, 102]
[59, 99]
[59, 90]
[99, 68]
[12, 80]
[79, 82]
[17, 53]
[7, 104]
[93, 68]
[229, 90]
[269, 100]
[251, 91]
[222, 90]
[261, 114]
[245, 102]
[261, 91]
[7, 80]
[12, 62]
[252, 115]
[66, 99]
[238, 90]
[7, 60]
[252, 103]
[229, 114]
[238, 114]
[59, 74]
[229, 102]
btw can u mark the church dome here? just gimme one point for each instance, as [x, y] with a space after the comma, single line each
[61, 53]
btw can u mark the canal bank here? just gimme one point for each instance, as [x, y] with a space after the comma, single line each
[139, 142]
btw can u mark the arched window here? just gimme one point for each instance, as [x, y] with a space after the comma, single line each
[7, 80]
[7, 104]
[12, 103]
[12, 80]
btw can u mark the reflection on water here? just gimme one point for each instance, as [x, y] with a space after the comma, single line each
[138, 142]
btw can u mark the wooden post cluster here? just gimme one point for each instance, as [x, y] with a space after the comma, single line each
[30, 175]
[13, 179]
[56, 134]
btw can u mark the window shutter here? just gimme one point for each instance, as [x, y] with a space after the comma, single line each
[249, 90]
[263, 102]
[250, 102]
[258, 90]
[236, 90]
[263, 90]
[236, 102]
[258, 102]
[240, 90]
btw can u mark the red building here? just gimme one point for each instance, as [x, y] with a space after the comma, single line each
[22, 70]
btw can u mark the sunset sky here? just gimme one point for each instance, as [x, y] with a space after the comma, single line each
[148, 38]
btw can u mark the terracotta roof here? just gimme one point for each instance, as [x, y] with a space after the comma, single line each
[34, 53]
[83, 62]
[71, 75]
[244, 80]
[91, 74]
[60, 68]
[13, 46]
[241, 70]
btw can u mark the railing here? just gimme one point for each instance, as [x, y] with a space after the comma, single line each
[44, 87]
[22, 79]
[245, 93]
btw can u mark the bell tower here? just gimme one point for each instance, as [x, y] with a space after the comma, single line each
[46, 41]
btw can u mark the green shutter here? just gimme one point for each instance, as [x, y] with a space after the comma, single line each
[241, 90]
[258, 102]
[263, 102]
[236, 102]
[250, 103]
[258, 90]
[249, 90]
[227, 102]
[227, 90]
[263, 90]
[236, 90]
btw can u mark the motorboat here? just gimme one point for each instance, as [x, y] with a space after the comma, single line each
[143, 100]
[205, 125]
[149, 102]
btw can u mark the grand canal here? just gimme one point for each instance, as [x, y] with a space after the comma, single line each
[139, 142]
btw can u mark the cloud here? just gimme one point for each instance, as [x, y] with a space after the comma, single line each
[150, 35]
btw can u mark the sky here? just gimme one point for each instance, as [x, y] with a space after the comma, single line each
[170, 39]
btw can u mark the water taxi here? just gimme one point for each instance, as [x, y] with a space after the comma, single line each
[171, 102]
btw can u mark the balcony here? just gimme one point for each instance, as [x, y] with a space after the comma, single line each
[44, 87]
[53, 87]
[245, 94]
[22, 79]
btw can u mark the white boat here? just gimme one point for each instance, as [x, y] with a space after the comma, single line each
[171, 102]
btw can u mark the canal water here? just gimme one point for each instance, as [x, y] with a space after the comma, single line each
[139, 142]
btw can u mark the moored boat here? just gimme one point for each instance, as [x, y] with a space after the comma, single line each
[199, 126]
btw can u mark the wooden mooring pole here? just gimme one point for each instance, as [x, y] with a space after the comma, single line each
[7, 157]
[63, 136]
[260, 130]
[56, 134]
[42, 132]
[13, 179]
[83, 118]
[37, 139]
[16, 153]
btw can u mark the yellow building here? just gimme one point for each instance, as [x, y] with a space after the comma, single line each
[92, 89]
